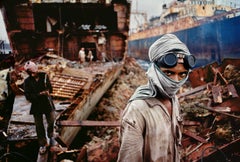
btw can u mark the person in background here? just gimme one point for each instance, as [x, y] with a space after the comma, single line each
[82, 55]
[150, 123]
[90, 56]
[37, 88]
[104, 57]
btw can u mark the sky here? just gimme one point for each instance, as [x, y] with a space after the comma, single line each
[3, 34]
[150, 7]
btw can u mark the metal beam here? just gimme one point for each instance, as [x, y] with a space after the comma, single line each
[71, 123]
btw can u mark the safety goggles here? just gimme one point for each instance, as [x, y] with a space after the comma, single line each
[171, 59]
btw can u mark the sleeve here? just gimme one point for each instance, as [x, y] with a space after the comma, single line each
[131, 135]
[48, 84]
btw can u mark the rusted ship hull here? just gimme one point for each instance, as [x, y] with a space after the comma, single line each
[211, 39]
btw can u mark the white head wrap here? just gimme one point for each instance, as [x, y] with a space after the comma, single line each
[31, 66]
[164, 45]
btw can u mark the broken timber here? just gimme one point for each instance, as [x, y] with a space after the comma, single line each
[67, 123]
[213, 110]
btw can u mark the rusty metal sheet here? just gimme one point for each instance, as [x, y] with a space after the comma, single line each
[232, 91]
[217, 94]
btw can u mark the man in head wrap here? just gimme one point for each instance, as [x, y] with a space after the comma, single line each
[150, 122]
[36, 89]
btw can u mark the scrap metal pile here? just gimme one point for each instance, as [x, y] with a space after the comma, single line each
[210, 106]
[102, 143]
[211, 127]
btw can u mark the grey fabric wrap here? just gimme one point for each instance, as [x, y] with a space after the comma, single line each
[164, 45]
[157, 81]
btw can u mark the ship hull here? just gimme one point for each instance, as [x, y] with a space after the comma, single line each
[209, 42]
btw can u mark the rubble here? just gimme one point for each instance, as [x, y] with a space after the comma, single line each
[208, 128]
[109, 109]
[211, 130]
[211, 114]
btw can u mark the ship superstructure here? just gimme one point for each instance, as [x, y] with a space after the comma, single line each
[210, 30]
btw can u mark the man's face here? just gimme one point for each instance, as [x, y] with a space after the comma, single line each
[177, 72]
[34, 74]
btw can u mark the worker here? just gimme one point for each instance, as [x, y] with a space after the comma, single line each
[90, 56]
[37, 88]
[150, 123]
[82, 55]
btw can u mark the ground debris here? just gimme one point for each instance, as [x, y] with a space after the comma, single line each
[214, 114]
[109, 109]
[203, 129]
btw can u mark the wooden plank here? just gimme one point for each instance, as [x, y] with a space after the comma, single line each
[70, 76]
[196, 137]
[65, 82]
[68, 123]
[61, 95]
[213, 110]
[64, 93]
[66, 87]
[82, 155]
[193, 91]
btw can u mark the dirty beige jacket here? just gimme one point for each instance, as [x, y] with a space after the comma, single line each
[147, 133]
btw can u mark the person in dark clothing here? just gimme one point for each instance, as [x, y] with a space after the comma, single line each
[36, 89]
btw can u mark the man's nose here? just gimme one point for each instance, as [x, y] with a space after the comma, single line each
[176, 78]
